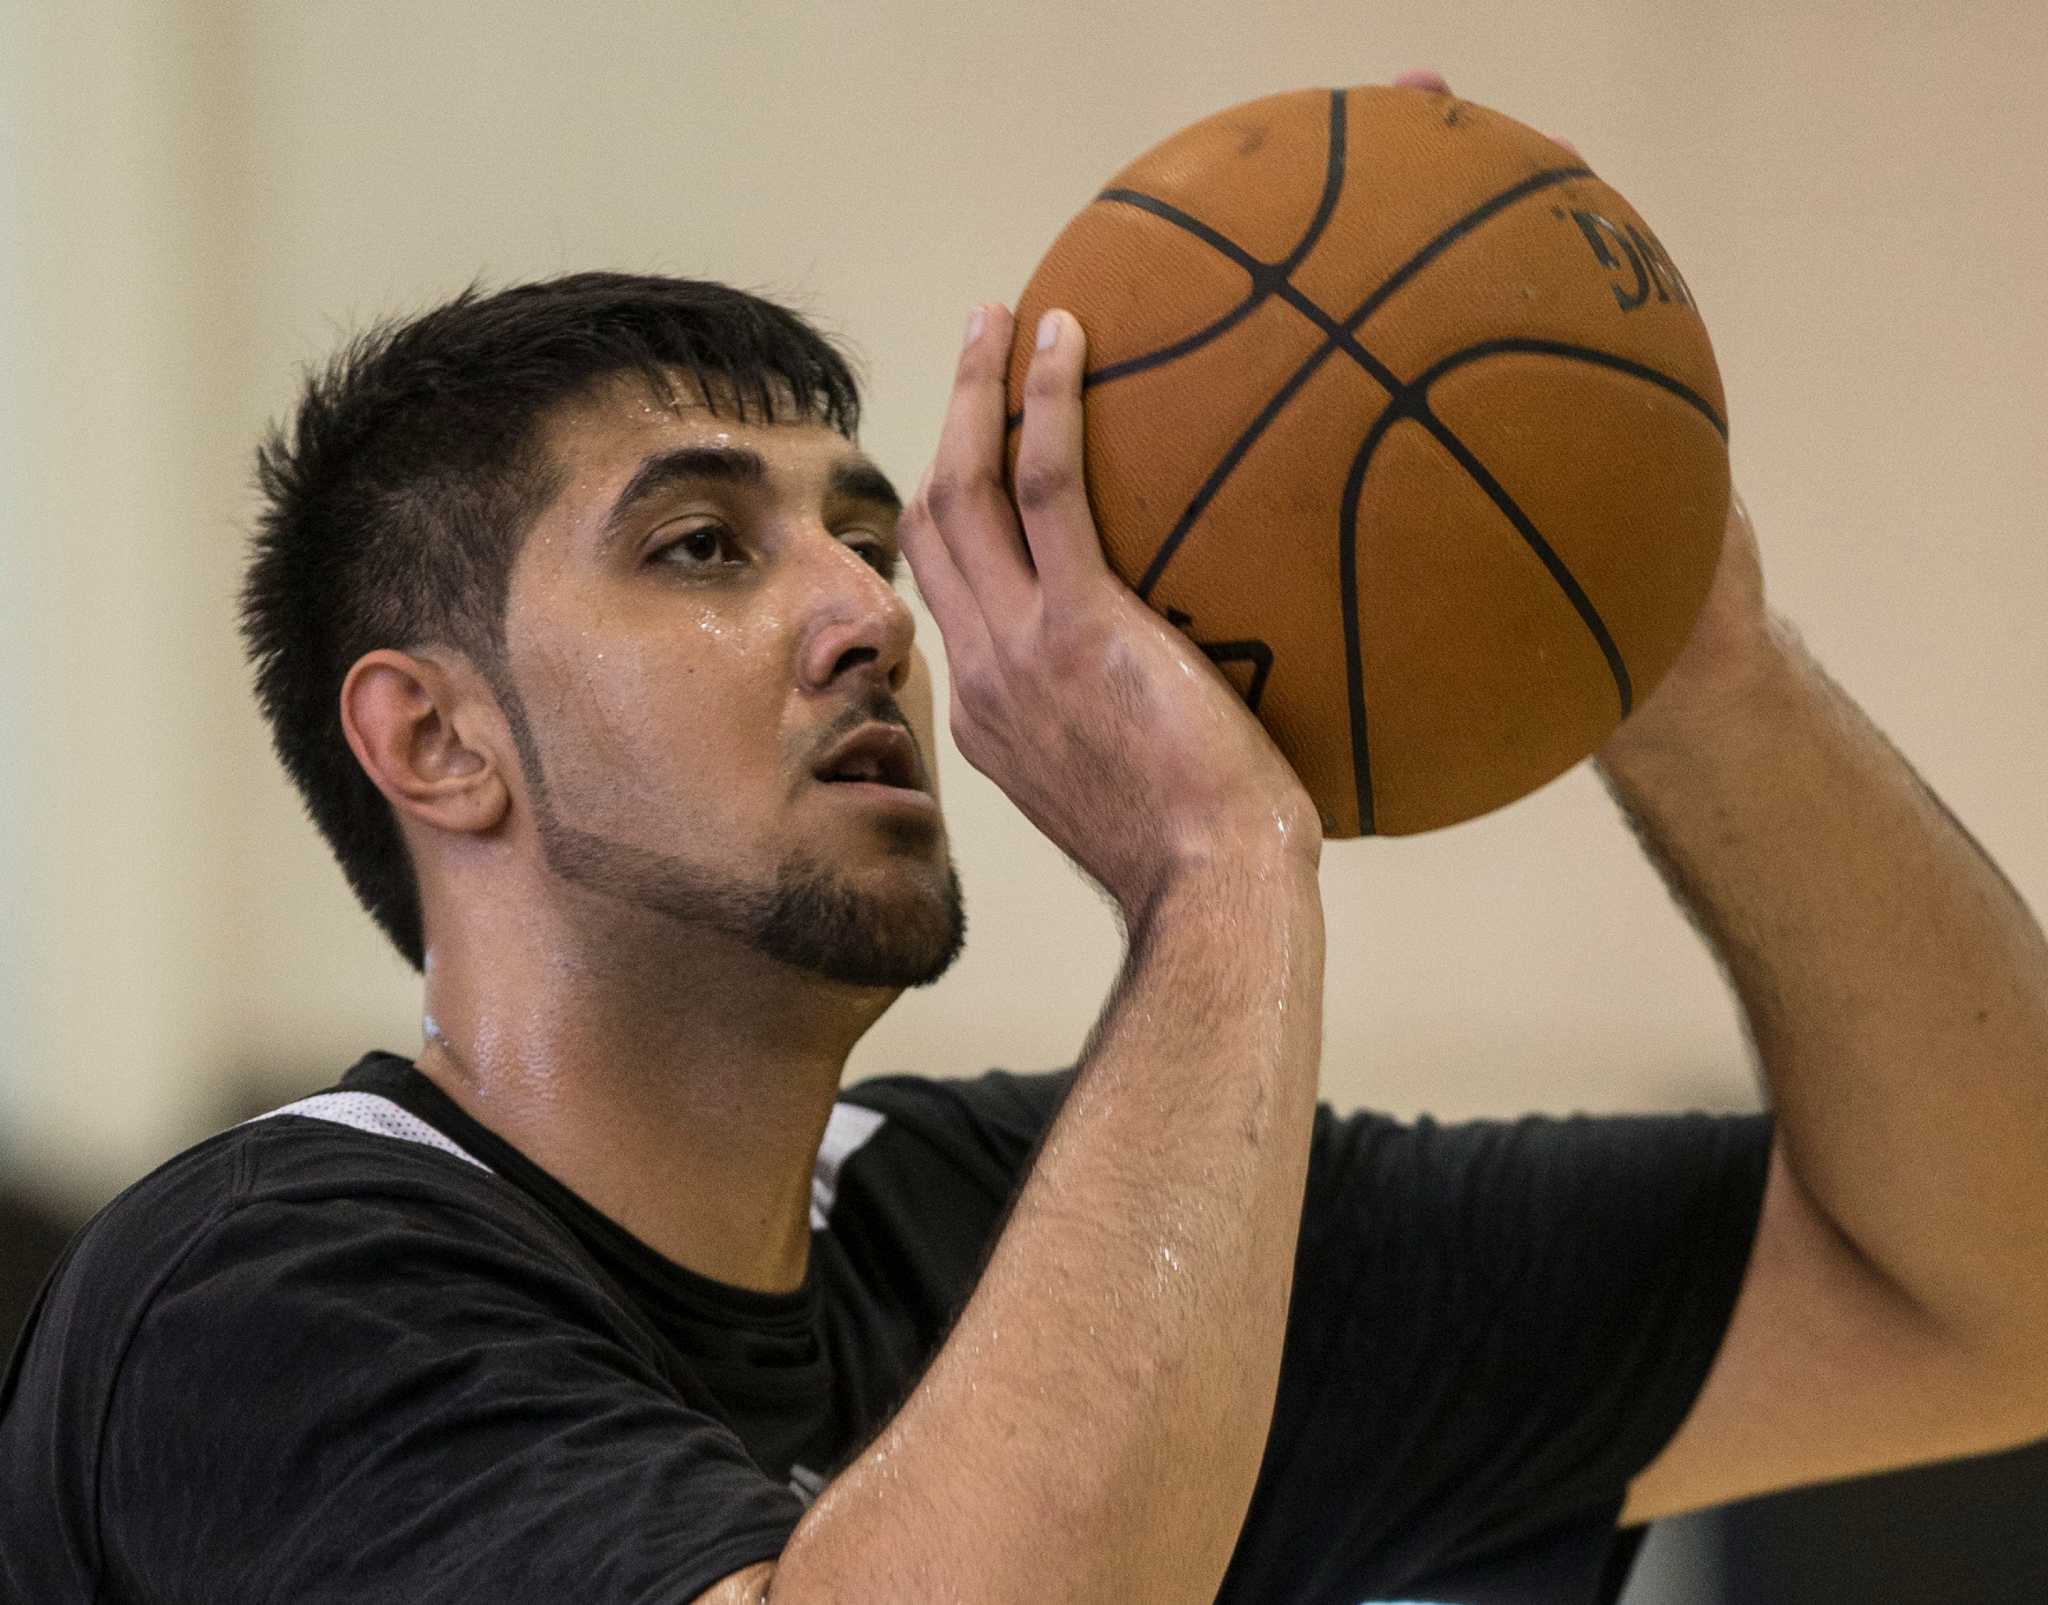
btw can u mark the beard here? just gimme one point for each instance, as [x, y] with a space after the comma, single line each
[806, 915]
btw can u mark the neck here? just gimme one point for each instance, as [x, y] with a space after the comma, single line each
[682, 1093]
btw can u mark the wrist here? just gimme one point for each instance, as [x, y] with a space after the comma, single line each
[1707, 697]
[1280, 847]
[1280, 856]
[1238, 872]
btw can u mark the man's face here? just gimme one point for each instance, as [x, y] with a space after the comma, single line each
[695, 622]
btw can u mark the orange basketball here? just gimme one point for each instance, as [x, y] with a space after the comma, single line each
[1411, 423]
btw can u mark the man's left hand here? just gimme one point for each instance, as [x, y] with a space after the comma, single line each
[1734, 641]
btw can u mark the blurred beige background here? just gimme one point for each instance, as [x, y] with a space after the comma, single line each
[202, 197]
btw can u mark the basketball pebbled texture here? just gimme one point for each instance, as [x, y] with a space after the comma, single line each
[1411, 423]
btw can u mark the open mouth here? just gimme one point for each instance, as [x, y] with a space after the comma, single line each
[876, 757]
[879, 767]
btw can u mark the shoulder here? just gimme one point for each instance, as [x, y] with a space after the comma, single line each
[222, 1243]
[333, 1148]
[260, 1193]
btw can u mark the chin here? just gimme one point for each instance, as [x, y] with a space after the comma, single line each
[897, 938]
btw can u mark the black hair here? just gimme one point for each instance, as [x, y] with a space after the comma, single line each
[395, 502]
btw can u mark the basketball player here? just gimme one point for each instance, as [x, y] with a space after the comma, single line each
[573, 616]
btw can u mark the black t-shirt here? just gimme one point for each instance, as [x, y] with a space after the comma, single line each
[363, 1350]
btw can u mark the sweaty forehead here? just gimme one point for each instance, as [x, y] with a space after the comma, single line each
[625, 417]
[600, 443]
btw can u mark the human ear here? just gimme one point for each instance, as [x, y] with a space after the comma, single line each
[421, 732]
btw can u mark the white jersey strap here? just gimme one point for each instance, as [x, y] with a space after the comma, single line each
[375, 1113]
[848, 1130]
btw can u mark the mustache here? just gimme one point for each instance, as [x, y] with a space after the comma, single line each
[879, 708]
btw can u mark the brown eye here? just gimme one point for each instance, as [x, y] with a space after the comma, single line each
[694, 548]
[879, 555]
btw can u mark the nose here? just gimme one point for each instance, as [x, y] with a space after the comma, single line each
[856, 622]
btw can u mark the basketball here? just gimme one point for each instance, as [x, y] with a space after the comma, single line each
[1411, 423]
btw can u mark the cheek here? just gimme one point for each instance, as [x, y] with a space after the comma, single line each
[680, 712]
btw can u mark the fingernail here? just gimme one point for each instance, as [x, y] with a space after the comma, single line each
[1048, 330]
[975, 319]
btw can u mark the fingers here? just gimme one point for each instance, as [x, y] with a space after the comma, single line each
[946, 594]
[982, 571]
[1422, 78]
[1430, 79]
[970, 509]
[1052, 492]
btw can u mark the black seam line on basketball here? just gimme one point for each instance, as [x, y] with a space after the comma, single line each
[1333, 185]
[1188, 223]
[1574, 353]
[1581, 603]
[1225, 466]
[1279, 283]
[1181, 348]
[1366, 308]
[1342, 335]
[1341, 338]
[1225, 246]
[1266, 277]
[1354, 652]
[1401, 406]
[1457, 231]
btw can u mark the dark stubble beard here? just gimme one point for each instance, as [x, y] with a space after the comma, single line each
[807, 916]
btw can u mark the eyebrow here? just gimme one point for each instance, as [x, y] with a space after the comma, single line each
[859, 480]
[853, 478]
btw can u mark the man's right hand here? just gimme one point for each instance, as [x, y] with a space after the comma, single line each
[1111, 1378]
[1109, 728]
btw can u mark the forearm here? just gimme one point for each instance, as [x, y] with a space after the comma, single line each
[1093, 1427]
[1894, 983]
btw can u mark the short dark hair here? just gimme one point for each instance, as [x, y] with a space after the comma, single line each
[395, 502]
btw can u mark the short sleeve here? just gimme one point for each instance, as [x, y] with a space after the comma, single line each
[370, 1399]
[1495, 1326]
